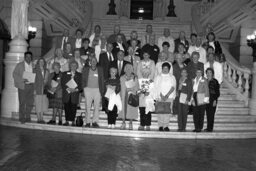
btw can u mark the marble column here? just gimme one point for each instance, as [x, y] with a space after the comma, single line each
[252, 102]
[18, 45]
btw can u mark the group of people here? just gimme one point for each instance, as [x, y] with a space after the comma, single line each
[126, 79]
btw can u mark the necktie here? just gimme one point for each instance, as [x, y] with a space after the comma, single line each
[132, 60]
[119, 67]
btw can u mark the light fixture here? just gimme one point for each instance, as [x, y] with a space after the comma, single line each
[31, 34]
[251, 42]
[141, 10]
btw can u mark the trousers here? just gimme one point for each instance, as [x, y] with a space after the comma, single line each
[145, 119]
[70, 111]
[210, 113]
[182, 116]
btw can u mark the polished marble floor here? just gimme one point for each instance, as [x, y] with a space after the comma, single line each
[29, 150]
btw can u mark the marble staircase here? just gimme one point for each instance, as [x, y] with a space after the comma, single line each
[232, 120]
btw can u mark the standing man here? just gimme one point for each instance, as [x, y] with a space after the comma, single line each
[181, 39]
[152, 49]
[25, 88]
[63, 40]
[93, 86]
[119, 63]
[112, 37]
[118, 45]
[105, 59]
[166, 38]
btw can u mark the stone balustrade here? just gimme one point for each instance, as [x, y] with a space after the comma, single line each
[238, 77]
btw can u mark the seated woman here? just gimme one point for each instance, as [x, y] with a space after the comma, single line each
[184, 96]
[41, 100]
[165, 91]
[129, 85]
[145, 71]
[54, 86]
[214, 90]
[199, 99]
[71, 86]
[162, 58]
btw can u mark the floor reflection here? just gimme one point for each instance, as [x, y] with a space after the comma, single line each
[22, 149]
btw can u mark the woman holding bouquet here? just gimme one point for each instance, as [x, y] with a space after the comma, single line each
[54, 87]
[146, 73]
[129, 85]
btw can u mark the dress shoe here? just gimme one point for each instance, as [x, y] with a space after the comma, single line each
[199, 130]
[141, 128]
[88, 125]
[66, 124]
[52, 122]
[60, 123]
[194, 130]
[179, 130]
[166, 129]
[73, 124]
[161, 128]
[130, 126]
[147, 128]
[95, 125]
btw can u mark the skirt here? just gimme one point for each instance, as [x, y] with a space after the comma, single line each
[56, 103]
[42, 103]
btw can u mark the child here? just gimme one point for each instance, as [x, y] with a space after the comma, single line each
[113, 97]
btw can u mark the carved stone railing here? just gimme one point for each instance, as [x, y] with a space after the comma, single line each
[237, 77]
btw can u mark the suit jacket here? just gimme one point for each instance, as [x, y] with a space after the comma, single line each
[112, 38]
[58, 91]
[116, 49]
[218, 49]
[104, 62]
[214, 89]
[66, 77]
[202, 89]
[87, 51]
[177, 42]
[18, 75]
[115, 65]
[73, 42]
[59, 40]
[192, 67]
[218, 70]
[101, 80]
[187, 88]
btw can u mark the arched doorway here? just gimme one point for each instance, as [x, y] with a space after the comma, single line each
[5, 38]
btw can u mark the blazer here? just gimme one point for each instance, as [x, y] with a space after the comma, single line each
[202, 89]
[214, 89]
[192, 67]
[59, 41]
[101, 80]
[116, 49]
[66, 77]
[187, 88]
[115, 65]
[218, 70]
[40, 81]
[177, 42]
[218, 49]
[104, 62]
[18, 75]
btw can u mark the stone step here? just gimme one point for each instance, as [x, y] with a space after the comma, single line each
[218, 118]
[173, 134]
[231, 111]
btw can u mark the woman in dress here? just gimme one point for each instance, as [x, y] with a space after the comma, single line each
[145, 71]
[129, 85]
[54, 86]
[41, 101]
[214, 91]
[165, 91]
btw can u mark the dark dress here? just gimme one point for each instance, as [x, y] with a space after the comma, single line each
[56, 101]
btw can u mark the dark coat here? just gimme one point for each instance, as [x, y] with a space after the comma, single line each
[85, 75]
[187, 88]
[177, 42]
[152, 50]
[218, 49]
[115, 65]
[214, 89]
[192, 67]
[116, 50]
[104, 62]
[66, 77]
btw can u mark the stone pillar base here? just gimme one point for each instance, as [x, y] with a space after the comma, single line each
[10, 101]
[252, 105]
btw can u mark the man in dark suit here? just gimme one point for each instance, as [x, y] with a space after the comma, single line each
[117, 31]
[181, 39]
[86, 49]
[70, 95]
[94, 88]
[105, 59]
[118, 45]
[194, 65]
[63, 40]
[119, 63]
[152, 49]
[77, 41]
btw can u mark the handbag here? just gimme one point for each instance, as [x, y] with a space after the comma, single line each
[48, 94]
[79, 120]
[133, 100]
[163, 107]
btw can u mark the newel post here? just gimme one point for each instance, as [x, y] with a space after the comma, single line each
[252, 103]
